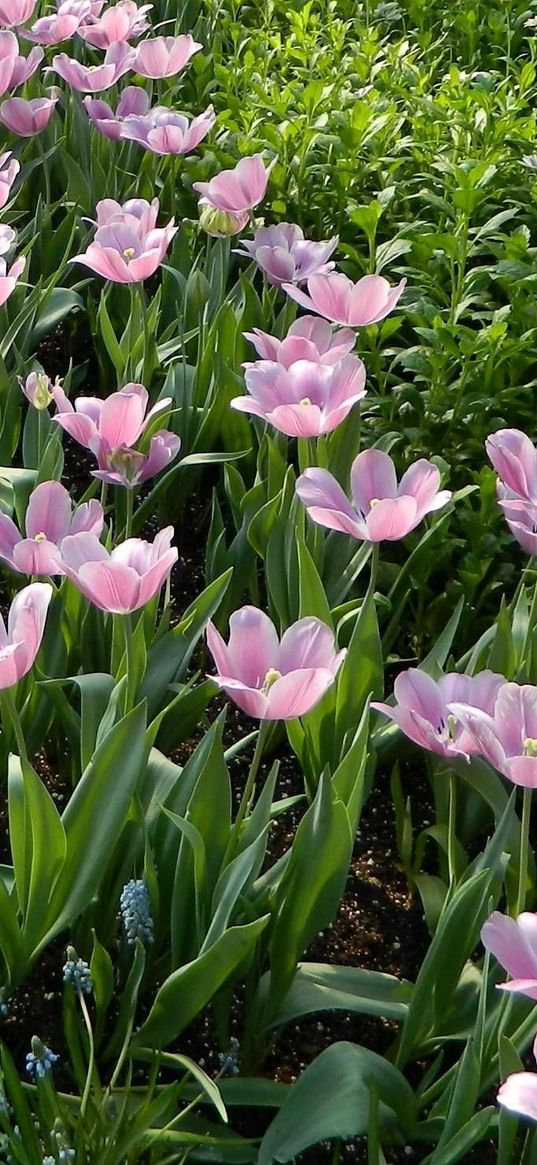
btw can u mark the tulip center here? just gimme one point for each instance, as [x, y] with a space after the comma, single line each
[41, 537]
[374, 502]
[452, 723]
[272, 675]
[43, 395]
[129, 253]
[530, 746]
[305, 401]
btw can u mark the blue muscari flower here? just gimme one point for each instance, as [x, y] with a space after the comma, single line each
[49, 1161]
[229, 1061]
[4, 1004]
[76, 971]
[135, 907]
[40, 1060]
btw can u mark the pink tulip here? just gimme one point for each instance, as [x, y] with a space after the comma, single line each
[269, 679]
[15, 69]
[20, 644]
[507, 738]
[514, 458]
[121, 22]
[127, 247]
[521, 517]
[27, 118]
[309, 338]
[39, 389]
[429, 711]
[118, 60]
[337, 298]
[165, 132]
[238, 190]
[164, 56]
[62, 25]
[285, 256]
[121, 581]
[49, 519]
[513, 942]
[110, 428]
[306, 399]
[8, 173]
[8, 278]
[14, 12]
[382, 509]
[133, 101]
[221, 224]
[518, 1093]
[7, 238]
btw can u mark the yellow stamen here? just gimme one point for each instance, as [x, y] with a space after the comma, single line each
[272, 675]
[305, 401]
[41, 537]
[129, 253]
[530, 746]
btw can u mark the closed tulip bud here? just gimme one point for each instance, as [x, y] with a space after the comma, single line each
[220, 224]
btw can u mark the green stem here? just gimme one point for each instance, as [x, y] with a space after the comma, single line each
[452, 831]
[91, 1062]
[11, 716]
[524, 851]
[375, 555]
[130, 663]
[129, 508]
[249, 789]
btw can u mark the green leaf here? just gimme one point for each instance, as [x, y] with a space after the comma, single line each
[321, 987]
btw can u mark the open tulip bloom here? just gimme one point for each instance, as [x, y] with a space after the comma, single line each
[49, 518]
[133, 102]
[518, 1093]
[118, 23]
[513, 942]
[27, 118]
[239, 190]
[507, 736]
[61, 25]
[514, 458]
[285, 256]
[111, 428]
[338, 299]
[306, 399]
[271, 679]
[123, 580]
[14, 68]
[128, 246]
[163, 131]
[381, 509]
[15, 12]
[8, 173]
[20, 642]
[309, 338]
[119, 58]
[429, 711]
[164, 56]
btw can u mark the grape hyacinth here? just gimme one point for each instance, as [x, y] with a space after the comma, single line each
[40, 1060]
[135, 907]
[77, 972]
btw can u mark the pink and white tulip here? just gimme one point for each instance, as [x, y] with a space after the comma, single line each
[513, 942]
[49, 518]
[61, 25]
[119, 58]
[14, 68]
[514, 458]
[111, 428]
[239, 190]
[123, 580]
[163, 131]
[507, 738]
[518, 1093]
[309, 338]
[27, 118]
[121, 22]
[381, 509]
[271, 679]
[128, 247]
[8, 173]
[285, 256]
[338, 299]
[20, 642]
[164, 56]
[133, 102]
[306, 399]
[428, 711]
[15, 12]
[9, 277]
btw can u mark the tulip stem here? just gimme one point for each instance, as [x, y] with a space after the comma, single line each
[129, 508]
[249, 789]
[452, 831]
[11, 716]
[375, 554]
[130, 662]
[524, 851]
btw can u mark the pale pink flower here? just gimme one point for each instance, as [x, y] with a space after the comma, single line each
[285, 256]
[26, 118]
[309, 338]
[20, 643]
[429, 711]
[306, 399]
[9, 277]
[127, 247]
[121, 22]
[133, 101]
[513, 942]
[14, 68]
[8, 173]
[514, 458]
[111, 428]
[123, 580]
[381, 508]
[60, 25]
[518, 1093]
[14, 12]
[118, 60]
[338, 299]
[271, 679]
[7, 238]
[507, 738]
[39, 389]
[49, 518]
[164, 56]
[238, 190]
[166, 132]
